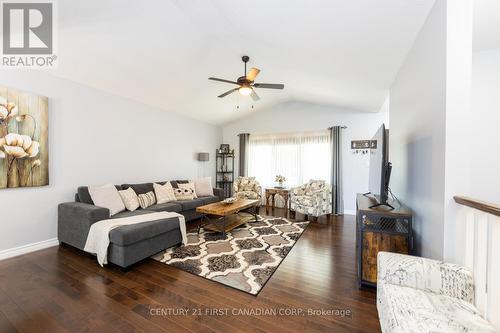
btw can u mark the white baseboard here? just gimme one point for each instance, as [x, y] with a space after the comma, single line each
[349, 212]
[17, 251]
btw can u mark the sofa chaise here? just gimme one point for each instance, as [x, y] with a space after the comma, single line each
[132, 243]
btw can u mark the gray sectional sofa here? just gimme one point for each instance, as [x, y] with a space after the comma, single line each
[132, 243]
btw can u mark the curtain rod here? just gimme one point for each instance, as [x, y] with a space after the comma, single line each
[343, 127]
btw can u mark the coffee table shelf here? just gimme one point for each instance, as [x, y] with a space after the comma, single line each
[222, 217]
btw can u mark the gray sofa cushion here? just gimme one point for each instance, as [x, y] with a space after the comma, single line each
[191, 215]
[140, 188]
[125, 256]
[134, 213]
[190, 204]
[176, 182]
[209, 199]
[130, 234]
[84, 195]
[166, 207]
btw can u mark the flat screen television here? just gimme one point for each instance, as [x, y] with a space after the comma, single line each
[380, 168]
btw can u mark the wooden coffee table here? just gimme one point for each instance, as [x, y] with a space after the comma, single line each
[223, 217]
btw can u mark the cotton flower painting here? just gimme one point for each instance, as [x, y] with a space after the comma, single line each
[24, 139]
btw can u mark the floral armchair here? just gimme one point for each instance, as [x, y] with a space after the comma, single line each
[312, 199]
[247, 188]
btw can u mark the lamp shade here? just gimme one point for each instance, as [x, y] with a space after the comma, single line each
[203, 157]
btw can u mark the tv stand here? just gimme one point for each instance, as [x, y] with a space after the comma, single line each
[381, 205]
[379, 229]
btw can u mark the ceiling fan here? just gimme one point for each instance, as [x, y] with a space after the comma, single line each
[246, 83]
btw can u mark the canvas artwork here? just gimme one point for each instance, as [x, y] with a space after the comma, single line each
[24, 139]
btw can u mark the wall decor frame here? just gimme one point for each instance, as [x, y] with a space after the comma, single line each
[224, 148]
[24, 139]
[364, 144]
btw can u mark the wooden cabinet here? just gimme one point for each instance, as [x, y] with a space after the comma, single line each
[380, 229]
[271, 198]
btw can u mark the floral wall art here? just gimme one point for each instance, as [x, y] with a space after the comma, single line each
[24, 154]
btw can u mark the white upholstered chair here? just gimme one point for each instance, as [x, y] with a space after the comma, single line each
[312, 199]
[247, 188]
[422, 295]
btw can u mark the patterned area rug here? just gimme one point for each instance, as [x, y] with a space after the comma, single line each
[245, 260]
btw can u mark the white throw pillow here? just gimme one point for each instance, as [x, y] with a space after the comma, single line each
[203, 186]
[129, 198]
[107, 196]
[188, 186]
[164, 193]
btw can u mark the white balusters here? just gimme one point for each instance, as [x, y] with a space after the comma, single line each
[482, 255]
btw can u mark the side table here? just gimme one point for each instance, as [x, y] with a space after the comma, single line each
[282, 192]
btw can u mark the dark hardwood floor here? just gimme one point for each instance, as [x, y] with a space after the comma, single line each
[61, 289]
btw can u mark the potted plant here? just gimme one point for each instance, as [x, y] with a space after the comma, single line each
[280, 180]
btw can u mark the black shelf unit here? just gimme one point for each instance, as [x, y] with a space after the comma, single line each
[224, 172]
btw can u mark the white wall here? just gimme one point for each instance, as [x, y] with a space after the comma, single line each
[477, 246]
[417, 138]
[97, 138]
[458, 121]
[430, 116]
[484, 130]
[302, 116]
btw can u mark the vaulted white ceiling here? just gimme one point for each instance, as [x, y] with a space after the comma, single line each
[161, 52]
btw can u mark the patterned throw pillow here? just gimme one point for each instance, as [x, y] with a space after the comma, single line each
[184, 193]
[189, 186]
[129, 198]
[146, 200]
[164, 193]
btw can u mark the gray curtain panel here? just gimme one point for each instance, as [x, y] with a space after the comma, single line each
[337, 191]
[243, 167]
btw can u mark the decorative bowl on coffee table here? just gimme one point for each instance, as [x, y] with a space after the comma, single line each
[229, 201]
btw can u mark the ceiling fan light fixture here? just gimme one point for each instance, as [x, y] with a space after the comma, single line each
[246, 83]
[245, 90]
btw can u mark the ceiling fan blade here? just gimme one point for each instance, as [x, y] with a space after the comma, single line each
[269, 85]
[222, 80]
[254, 95]
[252, 74]
[228, 92]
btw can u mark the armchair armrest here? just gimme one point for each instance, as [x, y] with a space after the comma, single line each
[297, 190]
[425, 274]
[75, 219]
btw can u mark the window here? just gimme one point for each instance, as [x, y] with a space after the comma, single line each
[297, 156]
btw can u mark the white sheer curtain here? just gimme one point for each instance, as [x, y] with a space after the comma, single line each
[297, 156]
